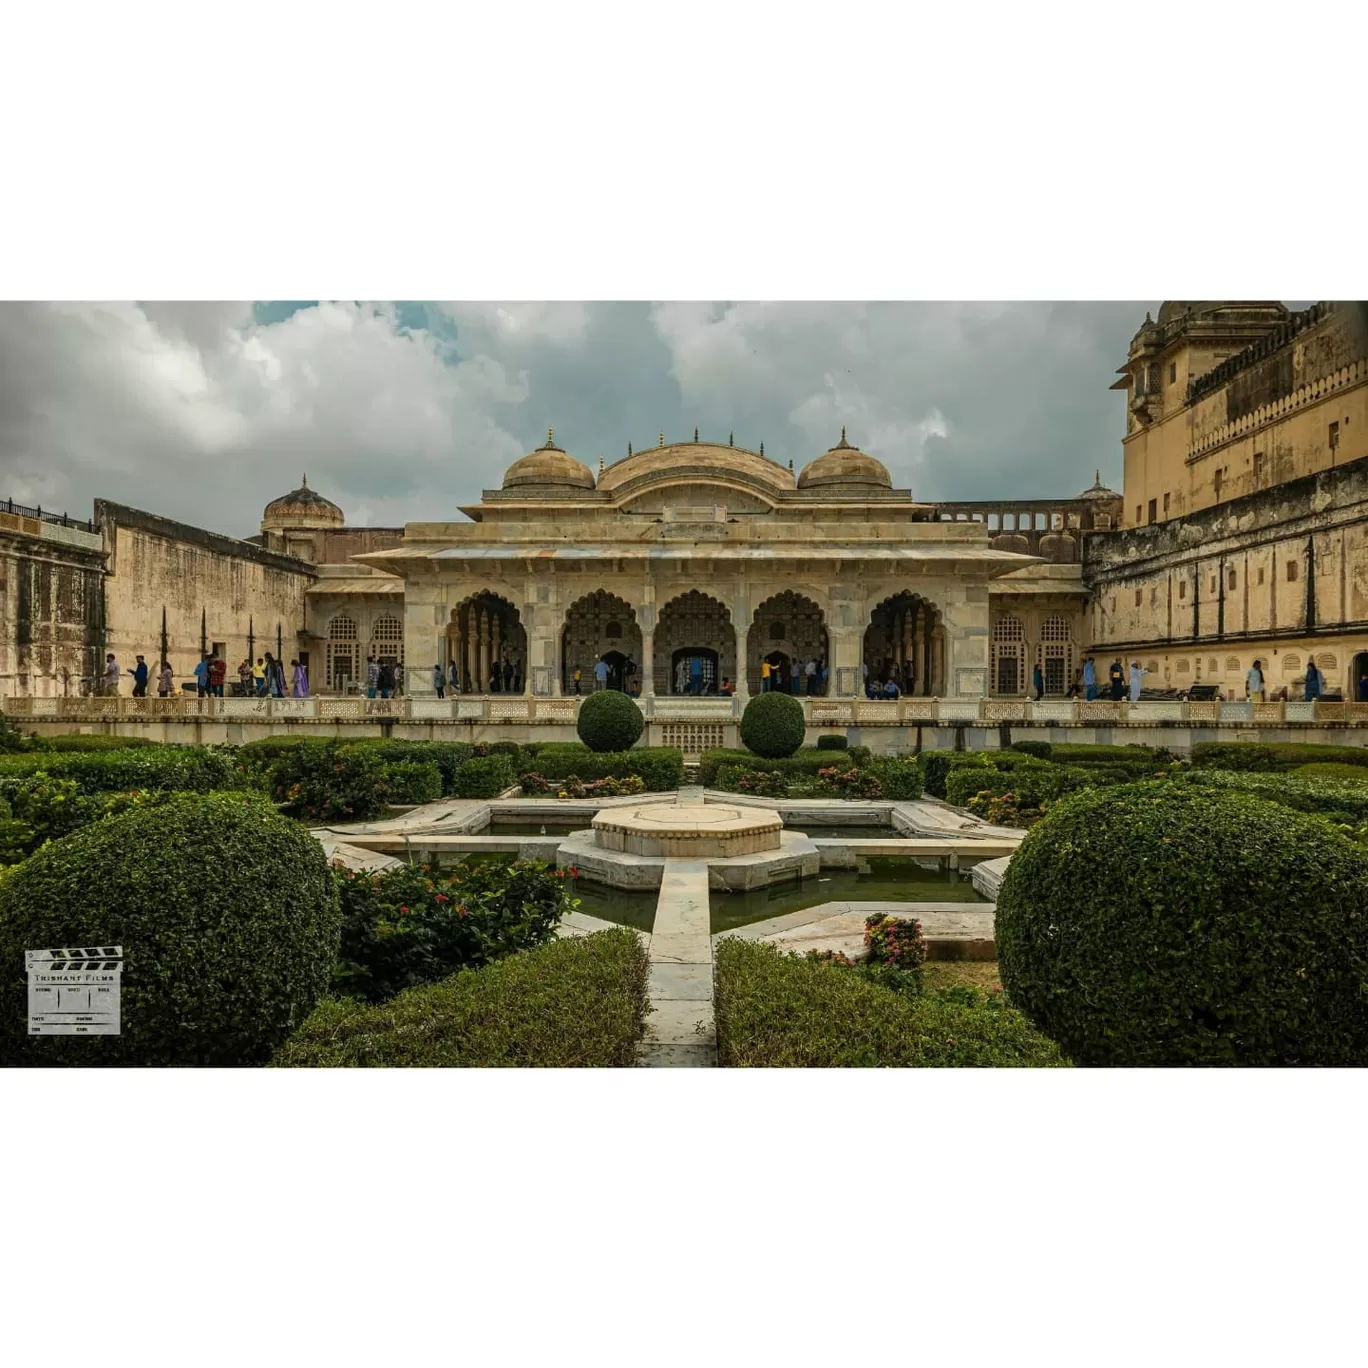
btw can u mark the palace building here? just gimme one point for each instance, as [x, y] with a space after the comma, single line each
[1241, 531]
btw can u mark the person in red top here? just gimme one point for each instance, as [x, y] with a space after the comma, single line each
[218, 669]
[727, 687]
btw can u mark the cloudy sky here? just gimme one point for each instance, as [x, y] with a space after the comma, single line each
[205, 412]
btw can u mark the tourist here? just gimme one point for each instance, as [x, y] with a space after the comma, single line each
[202, 677]
[1076, 686]
[218, 672]
[1254, 683]
[259, 677]
[1038, 683]
[508, 676]
[795, 669]
[372, 676]
[822, 673]
[728, 687]
[1137, 676]
[245, 677]
[634, 689]
[1363, 685]
[810, 676]
[577, 679]
[439, 681]
[764, 676]
[166, 682]
[517, 674]
[696, 675]
[455, 678]
[601, 674]
[1315, 681]
[1116, 681]
[891, 690]
[301, 680]
[384, 679]
[909, 678]
[1089, 680]
[140, 678]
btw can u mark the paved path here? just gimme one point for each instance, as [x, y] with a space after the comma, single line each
[680, 1032]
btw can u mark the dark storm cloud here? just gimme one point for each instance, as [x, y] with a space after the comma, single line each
[205, 412]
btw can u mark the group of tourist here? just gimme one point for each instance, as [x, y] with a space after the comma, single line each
[801, 677]
[505, 677]
[266, 678]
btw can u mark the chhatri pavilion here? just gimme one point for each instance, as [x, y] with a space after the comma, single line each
[690, 563]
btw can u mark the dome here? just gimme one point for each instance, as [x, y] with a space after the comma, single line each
[1099, 492]
[844, 465]
[696, 461]
[550, 466]
[1231, 310]
[302, 507]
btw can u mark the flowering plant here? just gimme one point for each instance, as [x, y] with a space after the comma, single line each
[895, 941]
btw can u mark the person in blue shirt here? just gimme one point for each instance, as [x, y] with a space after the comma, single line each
[201, 673]
[140, 678]
[1089, 680]
[1315, 682]
[891, 689]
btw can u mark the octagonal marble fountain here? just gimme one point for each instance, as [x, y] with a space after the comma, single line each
[688, 831]
[744, 847]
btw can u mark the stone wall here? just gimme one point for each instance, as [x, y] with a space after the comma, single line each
[201, 581]
[51, 607]
[1274, 575]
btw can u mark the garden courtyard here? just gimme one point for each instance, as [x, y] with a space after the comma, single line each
[592, 904]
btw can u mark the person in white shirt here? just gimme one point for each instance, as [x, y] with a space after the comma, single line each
[1137, 676]
[111, 675]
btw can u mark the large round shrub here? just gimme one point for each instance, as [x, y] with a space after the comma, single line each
[609, 721]
[773, 725]
[228, 918]
[1158, 924]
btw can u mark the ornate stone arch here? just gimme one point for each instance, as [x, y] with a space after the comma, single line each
[905, 637]
[600, 625]
[693, 625]
[486, 630]
[787, 626]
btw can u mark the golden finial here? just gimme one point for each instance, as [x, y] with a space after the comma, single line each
[304, 480]
[662, 439]
[790, 462]
[695, 434]
[600, 465]
[731, 439]
[762, 448]
[629, 448]
[550, 436]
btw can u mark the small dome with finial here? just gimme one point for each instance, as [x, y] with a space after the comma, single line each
[302, 507]
[846, 466]
[1099, 492]
[549, 467]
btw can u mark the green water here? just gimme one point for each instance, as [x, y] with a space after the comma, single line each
[535, 827]
[616, 905]
[888, 878]
[844, 833]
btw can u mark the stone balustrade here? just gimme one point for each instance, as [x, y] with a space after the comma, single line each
[820, 712]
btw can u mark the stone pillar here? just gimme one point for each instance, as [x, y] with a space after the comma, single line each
[421, 618]
[455, 644]
[496, 648]
[647, 663]
[471, 630]
[482, 680]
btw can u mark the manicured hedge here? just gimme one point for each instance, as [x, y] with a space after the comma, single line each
[660, 767]
[1040, 749]
[1335, 800]
[833, 741]
[900, 779]
[485, 777]
[227, 916]
[1272, 757]
[806, 761]
[1332, 769]
[448, 756]
[1171, 923]
[185, 769]
[573, 1003]
[329, 781]
[782, 1011]
[91, 743]
[772, 725]
[935, 767]
[1032, 785]
[413, 783]
[609, 721]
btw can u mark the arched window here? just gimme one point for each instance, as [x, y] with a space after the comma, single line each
[1325, 661]
[1233, 665]
[613, 631]
[387, 640]
[1008, 649]
[343, 653]
[776, 631]
[1183, 667]
[1291, 664]
[1213, 666]
[1057, 653]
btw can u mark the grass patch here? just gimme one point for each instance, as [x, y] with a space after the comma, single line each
[575, 1003]
[783, 1011]
[980, 974]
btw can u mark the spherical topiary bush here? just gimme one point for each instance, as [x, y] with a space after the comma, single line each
[1157, 924]
[609, 721]
[227, 914]
[772, 725]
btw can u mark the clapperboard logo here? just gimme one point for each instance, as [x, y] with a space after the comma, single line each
[74, 991]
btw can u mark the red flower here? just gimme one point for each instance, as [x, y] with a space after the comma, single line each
[442, 897]
[403, 909]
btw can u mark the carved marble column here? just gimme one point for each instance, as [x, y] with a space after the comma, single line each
[482, 680]
[472, 645]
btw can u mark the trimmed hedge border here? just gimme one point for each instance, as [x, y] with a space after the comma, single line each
[579, 1002]
[784, 1011]
[184, 769]
[661, 768]
[1272, 757]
